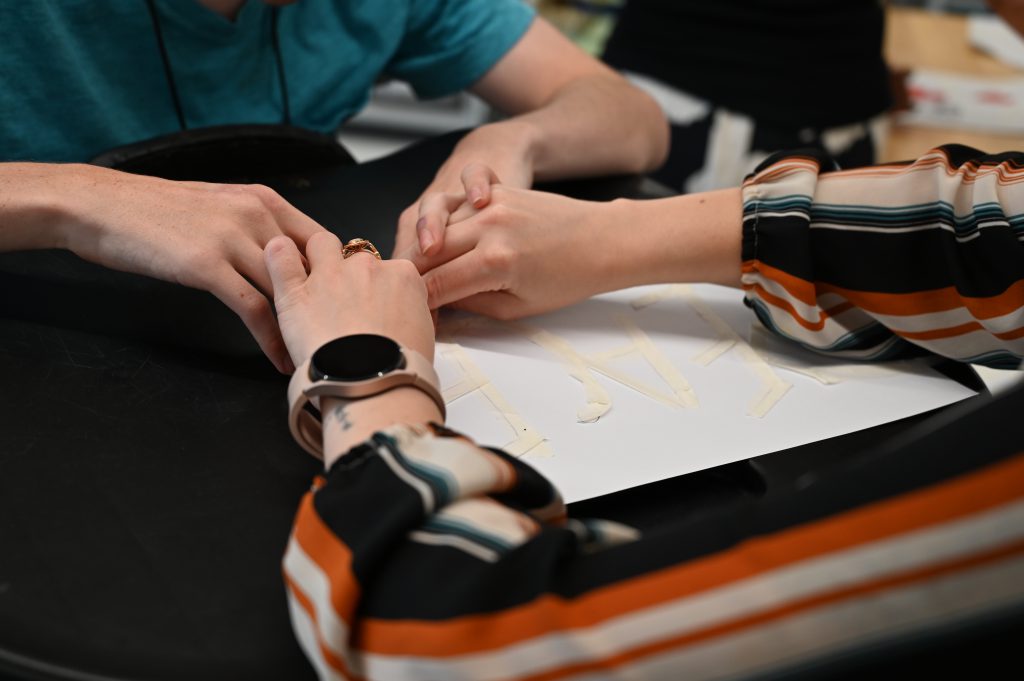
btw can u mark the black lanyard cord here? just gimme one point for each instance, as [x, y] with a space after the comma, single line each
[286, 113]
[169, 72]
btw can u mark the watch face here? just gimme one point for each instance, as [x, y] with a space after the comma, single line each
[356, 358]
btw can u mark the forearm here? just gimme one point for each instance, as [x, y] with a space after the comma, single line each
[594, 125]
[33, 210]
[689, 238]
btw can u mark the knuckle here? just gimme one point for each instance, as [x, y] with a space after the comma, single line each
[434, 287]
[250, 207]
[206, 263]
[499, 258]
[405, 270]
[324, 240]
[265, 194]
[498, 212]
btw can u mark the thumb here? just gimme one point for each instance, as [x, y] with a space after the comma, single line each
[284, 262]
[477, 180]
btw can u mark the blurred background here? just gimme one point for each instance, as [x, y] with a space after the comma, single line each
[958, 72]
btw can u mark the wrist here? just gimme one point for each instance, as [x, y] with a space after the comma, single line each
[510, 147]
[38, 206]
[616, 242]
[347, 423]
[685, 239]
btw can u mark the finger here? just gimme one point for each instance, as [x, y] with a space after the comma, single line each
[477, 180]
[434, 211]
[250, 263]
[462, 213]
[460, 278]
[411, 252]
[255, 312]
[284, 265]
[364, 258]
[459, 240]
[299, 226]
[323, 251]
[290, 220]
[406, 244]
[496, 304]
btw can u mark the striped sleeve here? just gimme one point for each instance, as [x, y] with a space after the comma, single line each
[423, 556]
[891, 260]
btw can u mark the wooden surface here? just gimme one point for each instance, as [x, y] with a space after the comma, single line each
[917, 39]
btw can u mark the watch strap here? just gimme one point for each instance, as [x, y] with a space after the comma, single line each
[307, 428]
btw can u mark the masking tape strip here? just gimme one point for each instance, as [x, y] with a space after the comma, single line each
[722, 346]
[652, 298]
[774, 388]
[726, 339]
[470, 381]
[610, 355]
[598, 400]
[661, 364]
[727, 336]
[642, 388]
[527, 439]
[758, 341]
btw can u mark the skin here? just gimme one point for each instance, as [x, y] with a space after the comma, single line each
[541, 83]
[524, 253]
[208, 236]
[530, 252]
[319, 306]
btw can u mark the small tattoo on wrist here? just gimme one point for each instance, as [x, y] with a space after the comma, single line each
[342, 417]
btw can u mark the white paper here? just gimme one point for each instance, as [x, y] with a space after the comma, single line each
[643, 438]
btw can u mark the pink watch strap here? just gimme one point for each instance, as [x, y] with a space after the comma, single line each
[307, 429]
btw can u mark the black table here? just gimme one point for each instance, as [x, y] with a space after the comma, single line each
[147, 477]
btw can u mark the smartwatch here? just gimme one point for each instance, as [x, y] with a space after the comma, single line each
[351, 368]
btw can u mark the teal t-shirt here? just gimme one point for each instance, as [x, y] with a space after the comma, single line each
[82, 76]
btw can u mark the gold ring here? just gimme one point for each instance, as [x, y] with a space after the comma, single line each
[359, 245]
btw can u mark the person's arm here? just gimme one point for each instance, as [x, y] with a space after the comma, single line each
[207, 236]
[881, 262]
[531, 252]
[570, 116]
[420, 555]
[869, 263]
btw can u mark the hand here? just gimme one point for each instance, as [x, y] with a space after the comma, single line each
[339, 297]
[527, 252]
[207, 236]
[486, 156]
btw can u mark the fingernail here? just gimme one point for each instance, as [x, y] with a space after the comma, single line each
[476, 197]
[426, 241]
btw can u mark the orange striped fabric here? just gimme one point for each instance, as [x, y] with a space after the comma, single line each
[872, 529]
